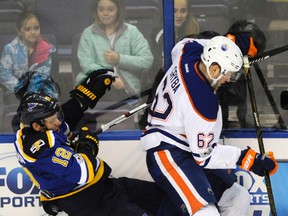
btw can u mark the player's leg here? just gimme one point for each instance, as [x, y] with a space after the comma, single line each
[185, 183]
[131, 200]
[209, 209]
[104, 198]
[220, 180]
[145, 194]
[234, 201]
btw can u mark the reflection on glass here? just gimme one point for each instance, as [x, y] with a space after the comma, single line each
[146, 18]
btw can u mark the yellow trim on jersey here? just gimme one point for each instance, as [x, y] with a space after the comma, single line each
[31, 177]
[49, 138]
[19, 140]
[97, 177]
[89, 167]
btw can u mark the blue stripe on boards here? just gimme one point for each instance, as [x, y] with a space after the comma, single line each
[135, 134]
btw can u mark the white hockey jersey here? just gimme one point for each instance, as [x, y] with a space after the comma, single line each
[186, 113]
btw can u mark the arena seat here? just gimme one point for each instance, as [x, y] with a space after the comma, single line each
[64, 19]
[146, 18]
[9, 12]
[212, 17]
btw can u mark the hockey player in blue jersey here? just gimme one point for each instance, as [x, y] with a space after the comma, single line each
[68, 172]
[184, 126]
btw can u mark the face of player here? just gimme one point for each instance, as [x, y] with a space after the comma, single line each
[107, 12]
[225, 78]
[30, 31]
[53, 122]
[180, 12]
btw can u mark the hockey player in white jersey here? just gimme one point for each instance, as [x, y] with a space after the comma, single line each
[184, 126]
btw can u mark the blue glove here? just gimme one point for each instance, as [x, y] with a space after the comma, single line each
[245, 42]
[257, 163]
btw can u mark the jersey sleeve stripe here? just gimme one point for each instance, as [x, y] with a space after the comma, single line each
[84, 172]
[89, 169]
[50, 137]
[19, 145]
[155, 130]
[178, 179]
[96, 178]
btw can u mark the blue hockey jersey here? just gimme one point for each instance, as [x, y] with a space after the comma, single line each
[52, 164]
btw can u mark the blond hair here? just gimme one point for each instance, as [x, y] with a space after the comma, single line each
[189, 27]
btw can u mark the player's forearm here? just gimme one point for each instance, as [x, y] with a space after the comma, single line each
[223, 157]
[72, 112]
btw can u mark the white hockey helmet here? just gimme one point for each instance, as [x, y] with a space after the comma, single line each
[226, 53]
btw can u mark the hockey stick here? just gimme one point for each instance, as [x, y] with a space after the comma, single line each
[259, 132]
[121, 118]
[268, 94]
[268, 54]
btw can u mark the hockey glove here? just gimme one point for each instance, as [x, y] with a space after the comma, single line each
[257, 163]
[95, 85]
[86, 141]
[23, 82]
[245, 42]
[20, 93]
[33, 82]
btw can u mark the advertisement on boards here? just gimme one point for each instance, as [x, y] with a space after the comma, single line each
[18, 196]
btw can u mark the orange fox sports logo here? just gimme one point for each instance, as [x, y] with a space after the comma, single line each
[86, 92]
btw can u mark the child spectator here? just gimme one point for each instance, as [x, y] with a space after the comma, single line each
[25, 64]
[112, 43]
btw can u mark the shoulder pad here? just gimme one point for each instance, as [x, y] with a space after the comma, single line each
[35, 142]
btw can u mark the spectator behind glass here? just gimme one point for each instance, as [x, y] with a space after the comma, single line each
[112, 43]
[184, 24]
[26, 61]
[251, 40]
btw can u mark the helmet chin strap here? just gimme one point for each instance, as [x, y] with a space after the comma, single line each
[214, 81]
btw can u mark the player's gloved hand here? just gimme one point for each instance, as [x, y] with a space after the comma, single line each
[44, 85]
[245, 42]
[257, 163]
[85, 140]
[271, 156]
[20, 93]
[23, 82]
[93, 87]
